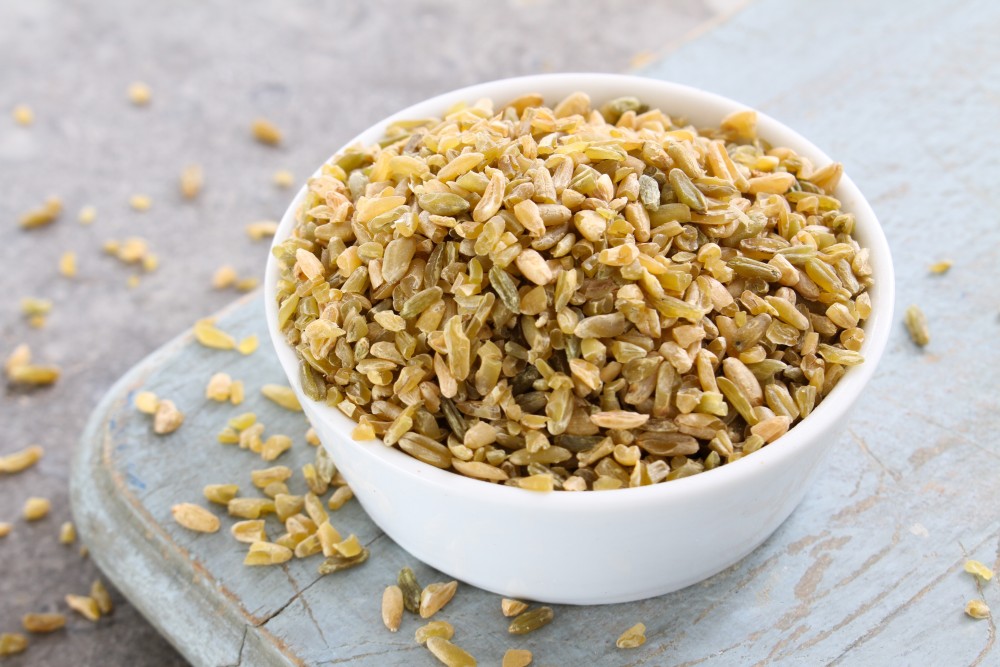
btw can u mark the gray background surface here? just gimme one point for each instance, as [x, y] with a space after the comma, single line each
[322, 72]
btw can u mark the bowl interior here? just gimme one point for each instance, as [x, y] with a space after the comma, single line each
[701, 109]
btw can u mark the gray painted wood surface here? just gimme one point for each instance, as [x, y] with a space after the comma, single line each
[868, 570]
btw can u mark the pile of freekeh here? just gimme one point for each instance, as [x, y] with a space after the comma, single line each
[573, 298]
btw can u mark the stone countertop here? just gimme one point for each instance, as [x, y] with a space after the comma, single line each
[322, 72]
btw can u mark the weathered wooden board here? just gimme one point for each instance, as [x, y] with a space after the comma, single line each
[867, 570]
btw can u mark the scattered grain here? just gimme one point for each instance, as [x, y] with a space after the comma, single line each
[194, 517]
[916, 324]
[530, 621]
[261, 229]
[337, 562]
[23, 115]
[979, 570]
[265, 132]
[84, 605]
[282, 395]
[977, 609]
[339, 497]
[67, 264]
[248, 345]
[407, 581]
[941, 267]
[209, 335]
[87, 215]
[67, 533]
[267, 553]
[140, 202]
[220, 494]
[45, 214]
[283, 178]
[634, 637]
[435, 596]
[442, 629]
[22, 459]
[517, 657]
[146, 402]
[449, 654]
[139, 94]
[191, 181]
[36, 508]
[261, 478]
[349, 548]
[250, 508]
[33, 306]
[224, 276]
[250, 531]
[512, 607]
[275, 446]
[33, 375]
[392, 607]
[102, 597]
[247, 284]
[12, 643]
[43, 623]
[167, 417]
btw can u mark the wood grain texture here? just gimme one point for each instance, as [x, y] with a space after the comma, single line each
[868, 570]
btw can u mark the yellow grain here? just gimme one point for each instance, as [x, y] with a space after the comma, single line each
[283, 178]
[45, 214]
[87, 215]
[84, 605]
[224, 276]
[248, 345]
[36, 509]
[139, 94]
[265, 132]
[192, 179]
[67, 264]
[140, 202]
[67, 533]
[261, 229]
[21, 459]
[23, 115]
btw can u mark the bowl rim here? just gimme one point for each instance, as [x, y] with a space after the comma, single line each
[807, 433]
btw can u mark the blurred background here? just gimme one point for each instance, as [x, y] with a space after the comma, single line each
[71, 129]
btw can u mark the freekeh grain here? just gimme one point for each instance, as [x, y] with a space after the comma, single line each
[21, 460]
[392, 607]
[449, 654]
[37, 623]
[45, 214]
[265, 132]
[916, 325]
[484, 289]
[195, 518]
[634, 637]
[36, 508]
[977, 609]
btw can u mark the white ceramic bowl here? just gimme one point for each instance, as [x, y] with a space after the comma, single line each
[597, 547]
